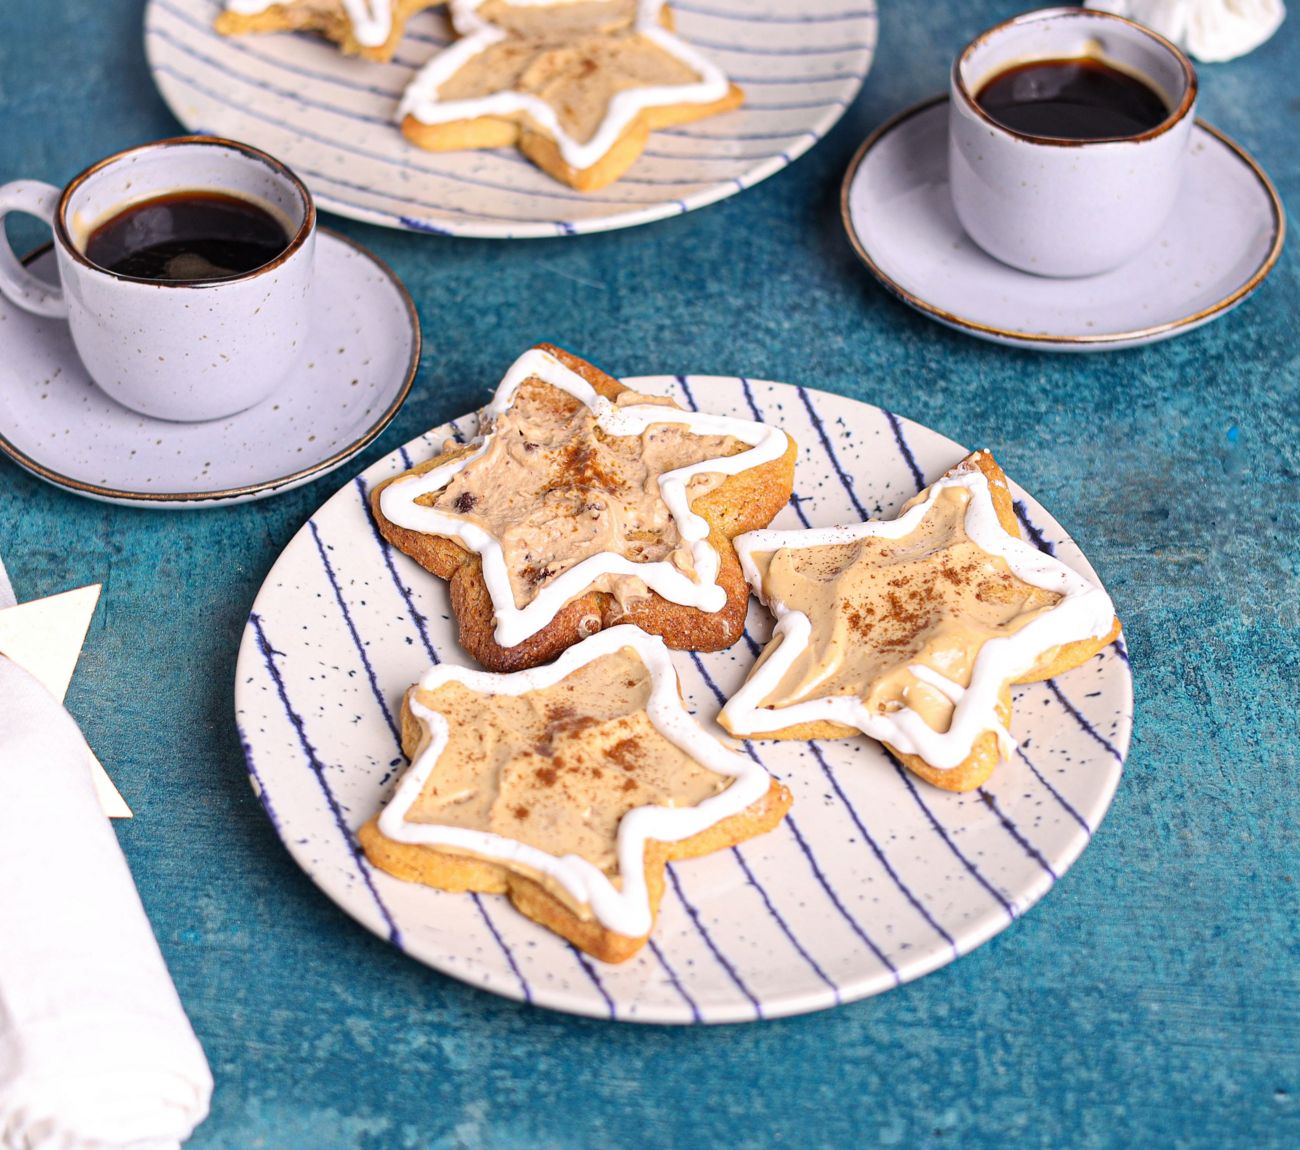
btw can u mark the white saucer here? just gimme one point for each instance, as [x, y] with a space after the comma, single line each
[1224, 238]
[355, 372]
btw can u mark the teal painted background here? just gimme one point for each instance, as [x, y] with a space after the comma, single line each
[1149, 1001]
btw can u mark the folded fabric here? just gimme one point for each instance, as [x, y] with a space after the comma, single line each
[1210, 30]
[95, 1048]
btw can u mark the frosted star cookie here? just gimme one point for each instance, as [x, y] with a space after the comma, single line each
[369, 28]
[578, 85]
[914, 630]
[568, 788]
[583, 504]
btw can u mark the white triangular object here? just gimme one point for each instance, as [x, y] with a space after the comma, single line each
[110, 798]
[45, 638]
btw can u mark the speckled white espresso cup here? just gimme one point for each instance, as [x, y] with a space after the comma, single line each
[1067, 207]
[182, 351]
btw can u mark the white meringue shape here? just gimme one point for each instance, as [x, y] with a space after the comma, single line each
[1210, 30]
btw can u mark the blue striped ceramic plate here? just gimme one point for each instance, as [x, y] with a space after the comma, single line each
[873, 880]
[330, 118]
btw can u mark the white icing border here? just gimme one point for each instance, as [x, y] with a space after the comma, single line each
[372, 20]
[1085, 611]
[421, 97]
[513, 624]
[625, 911]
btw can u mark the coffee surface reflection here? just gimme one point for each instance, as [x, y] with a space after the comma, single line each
[187, 237]
[1080, 98]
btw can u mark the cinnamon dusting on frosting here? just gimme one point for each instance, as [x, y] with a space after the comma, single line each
[557, 768]
[880, 606]
[555, 489]
[576, 56]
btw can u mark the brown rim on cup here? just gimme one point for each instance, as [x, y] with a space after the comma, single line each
[1185, 104]
[64, 236]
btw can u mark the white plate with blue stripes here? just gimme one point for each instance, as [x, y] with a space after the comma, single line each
[873, 880]
[330, 117]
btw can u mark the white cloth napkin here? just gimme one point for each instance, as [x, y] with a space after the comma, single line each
[1210, 30]
[95, 1050]
[6, 589]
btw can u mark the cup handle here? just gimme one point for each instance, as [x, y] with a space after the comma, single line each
[16, 283]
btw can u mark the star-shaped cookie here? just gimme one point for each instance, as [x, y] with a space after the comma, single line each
[583, 504]
[914, 630]
[567, 787]
[368, 28]
[578, 86]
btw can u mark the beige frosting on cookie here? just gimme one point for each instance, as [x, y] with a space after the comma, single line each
[558, 768]
[554, 489]
[881, 606]
[561, 21]
[576, 57]
[313, 8]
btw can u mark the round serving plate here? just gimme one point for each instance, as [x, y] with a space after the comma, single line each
[331, 117]
[874, 879]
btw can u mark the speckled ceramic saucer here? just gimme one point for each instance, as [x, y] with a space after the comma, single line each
[353, 376]
[1224, 237]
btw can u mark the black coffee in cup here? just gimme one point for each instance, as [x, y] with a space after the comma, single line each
[1081, 98]
[187, 237]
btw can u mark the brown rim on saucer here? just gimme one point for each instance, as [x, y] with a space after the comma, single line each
[64, 238]
[1174, 117]
[895, 288]
[270, 485]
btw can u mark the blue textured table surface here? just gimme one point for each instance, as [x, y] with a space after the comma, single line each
[1150, 1000]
